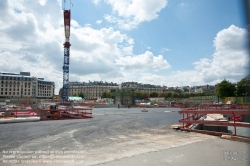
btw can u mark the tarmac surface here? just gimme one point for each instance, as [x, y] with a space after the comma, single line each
[116, 137]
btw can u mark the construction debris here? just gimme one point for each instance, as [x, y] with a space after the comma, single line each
[176, 126]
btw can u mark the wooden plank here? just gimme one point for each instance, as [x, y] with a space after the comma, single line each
[218, 123]
[236, 112]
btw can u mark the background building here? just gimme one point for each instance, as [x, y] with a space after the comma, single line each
[25, 86]
[91, 90]
[94, 90]
[142, 87]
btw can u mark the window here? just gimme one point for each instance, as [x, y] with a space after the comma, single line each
[17, 93]
[13, 93]
[9, 93]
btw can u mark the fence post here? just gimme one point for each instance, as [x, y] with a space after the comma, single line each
[183, 119]
[234, 124]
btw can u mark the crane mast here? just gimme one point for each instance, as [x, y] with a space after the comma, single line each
[65, 89]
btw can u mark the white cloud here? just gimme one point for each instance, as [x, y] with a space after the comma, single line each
[182, 4]
[230, 59]
[74, 24]
[87, 25]
[32, 40]
[129, 13]
[165, 50]
[142, 62]
[96, 1]
[98, 21]
[42, 2]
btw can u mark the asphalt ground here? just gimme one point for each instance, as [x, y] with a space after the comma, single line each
[116, 137]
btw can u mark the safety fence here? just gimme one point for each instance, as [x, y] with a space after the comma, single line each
[235, 115]
[59, 114]
[46, 111]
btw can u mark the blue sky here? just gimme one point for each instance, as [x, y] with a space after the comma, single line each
[162, 42]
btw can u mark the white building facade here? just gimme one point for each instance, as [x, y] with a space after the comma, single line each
[91, 90]
[25, 86]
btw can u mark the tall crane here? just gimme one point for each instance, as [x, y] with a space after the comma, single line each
[65, 89]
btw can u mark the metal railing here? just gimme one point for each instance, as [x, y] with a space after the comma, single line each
[194, 115]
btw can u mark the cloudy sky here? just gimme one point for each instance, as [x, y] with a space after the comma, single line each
[161, 42]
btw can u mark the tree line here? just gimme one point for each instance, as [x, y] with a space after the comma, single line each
[228, 89]
[144, 95]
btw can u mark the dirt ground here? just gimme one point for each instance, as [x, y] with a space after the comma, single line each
[116, 137]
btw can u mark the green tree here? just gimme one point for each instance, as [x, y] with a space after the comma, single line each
[225, 89]
[180, 95]
[144, 95]
[138, 94]
[169, 94]
[161, 94]
[81, 95]
[242, 87]
[153, 94]
[186, 95]
[174, 95]
[106, 95]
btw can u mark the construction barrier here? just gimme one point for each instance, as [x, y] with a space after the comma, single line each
[47, 111]
[194, 116]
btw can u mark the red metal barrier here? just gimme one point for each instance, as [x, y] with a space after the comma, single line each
[57, 111]
[193, 115]
[73, 113]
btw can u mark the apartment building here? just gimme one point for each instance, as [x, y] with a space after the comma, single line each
[25, 86]
[91, 90]
[142, 87]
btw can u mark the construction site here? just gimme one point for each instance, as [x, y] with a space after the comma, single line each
[126, 133]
